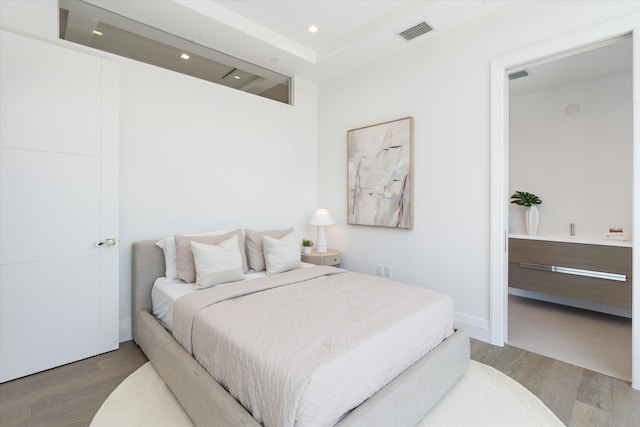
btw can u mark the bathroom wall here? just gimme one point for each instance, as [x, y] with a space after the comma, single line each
[579, 164]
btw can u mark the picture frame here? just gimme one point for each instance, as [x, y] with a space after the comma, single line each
[380, 174]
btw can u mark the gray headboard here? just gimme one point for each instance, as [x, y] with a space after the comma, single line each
[147, 264]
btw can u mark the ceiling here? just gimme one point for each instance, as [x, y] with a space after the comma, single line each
[89, 25]
[352, 33]
[593, 62]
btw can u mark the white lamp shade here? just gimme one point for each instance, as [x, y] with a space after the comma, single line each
[321, 217]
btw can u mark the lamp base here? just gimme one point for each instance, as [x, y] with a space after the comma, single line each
[321, 243]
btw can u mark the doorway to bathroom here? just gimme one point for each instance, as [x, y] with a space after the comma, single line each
[570, 144]
[584, 40]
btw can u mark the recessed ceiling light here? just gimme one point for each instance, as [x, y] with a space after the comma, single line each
[184, 56]
[313, 29]
[236, 77]
[97, 33]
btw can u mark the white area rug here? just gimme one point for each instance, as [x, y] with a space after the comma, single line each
[483, 397]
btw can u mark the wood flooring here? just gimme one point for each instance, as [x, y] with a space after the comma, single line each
[71, 395]
[579, 397]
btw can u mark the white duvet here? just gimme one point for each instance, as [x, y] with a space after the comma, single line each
[304, 347]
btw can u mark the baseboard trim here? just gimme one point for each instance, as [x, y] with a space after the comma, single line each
[476, 327]
[125, 333]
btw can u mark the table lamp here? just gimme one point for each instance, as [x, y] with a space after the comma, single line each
[321, 218]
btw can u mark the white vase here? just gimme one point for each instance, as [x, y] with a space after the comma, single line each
[307, 249]
[531, 218]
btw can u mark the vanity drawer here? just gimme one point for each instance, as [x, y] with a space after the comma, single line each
[596, 273]
[611, 259]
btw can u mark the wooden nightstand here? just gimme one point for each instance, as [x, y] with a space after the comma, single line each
[331, 257]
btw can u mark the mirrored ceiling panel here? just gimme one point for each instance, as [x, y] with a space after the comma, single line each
[89, 25]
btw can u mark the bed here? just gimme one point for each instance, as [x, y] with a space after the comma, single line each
[402, 401]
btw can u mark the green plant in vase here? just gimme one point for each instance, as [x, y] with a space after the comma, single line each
[307, 244]
[531, 215]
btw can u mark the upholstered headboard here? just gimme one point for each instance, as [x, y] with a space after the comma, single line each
[147, 264]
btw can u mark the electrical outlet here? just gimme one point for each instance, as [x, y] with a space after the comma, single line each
[387, 271]
[379, 269]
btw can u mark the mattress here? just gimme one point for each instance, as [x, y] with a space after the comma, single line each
[305, 347]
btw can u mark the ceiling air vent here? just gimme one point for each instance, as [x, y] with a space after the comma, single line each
[415, 31]
[518, 74]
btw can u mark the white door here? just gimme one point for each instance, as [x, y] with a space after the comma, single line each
[58, 196]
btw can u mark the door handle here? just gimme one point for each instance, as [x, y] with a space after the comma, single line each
[111, 241]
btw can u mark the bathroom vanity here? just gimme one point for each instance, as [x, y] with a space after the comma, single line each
[594, 271]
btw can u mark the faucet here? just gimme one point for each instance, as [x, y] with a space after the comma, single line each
[572, 229]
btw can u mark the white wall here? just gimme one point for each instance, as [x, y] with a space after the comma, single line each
[195, 156]
[443, 82]
[580, 165]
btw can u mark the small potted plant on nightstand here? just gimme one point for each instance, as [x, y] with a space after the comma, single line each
[531, 216]
[306, 245]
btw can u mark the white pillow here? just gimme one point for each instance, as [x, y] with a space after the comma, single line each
[281, 255]
[168, 245]
[217, 264]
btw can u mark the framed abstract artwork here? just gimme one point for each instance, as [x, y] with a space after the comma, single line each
[380, 174]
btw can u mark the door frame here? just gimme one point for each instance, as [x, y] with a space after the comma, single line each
[499, 218]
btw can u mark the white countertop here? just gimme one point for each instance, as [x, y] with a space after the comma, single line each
[587, 240]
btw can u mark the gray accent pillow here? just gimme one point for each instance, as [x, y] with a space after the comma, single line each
[255, 256]
[184, 258]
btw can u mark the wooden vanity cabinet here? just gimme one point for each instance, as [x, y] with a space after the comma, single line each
[562, 269]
